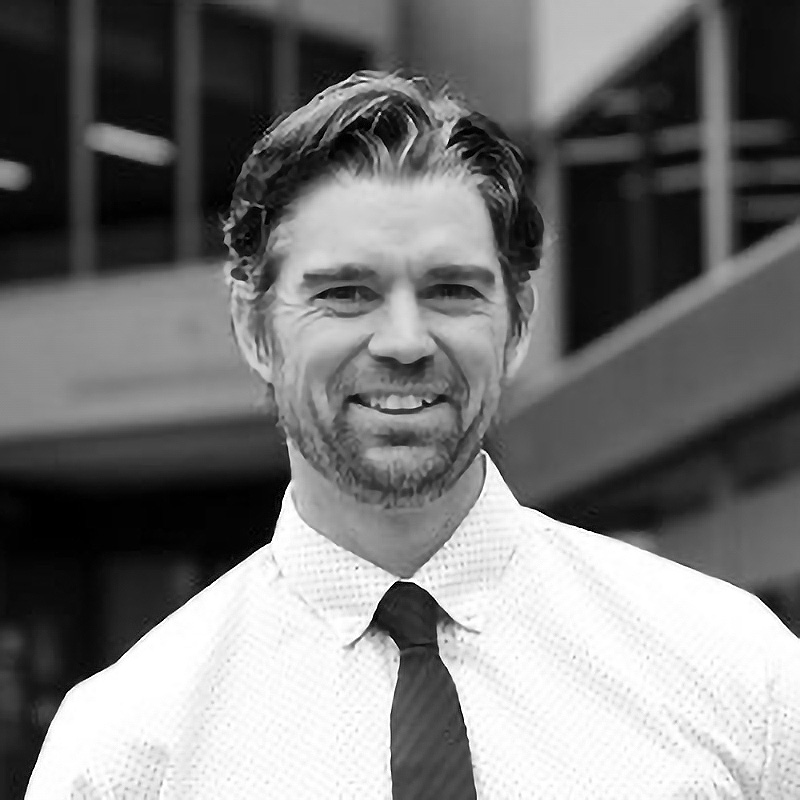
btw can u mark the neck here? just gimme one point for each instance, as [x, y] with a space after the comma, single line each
[397, 540]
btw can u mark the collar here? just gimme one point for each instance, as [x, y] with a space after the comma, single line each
[344, 589]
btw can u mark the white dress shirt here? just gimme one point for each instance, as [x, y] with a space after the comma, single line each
[585, 667]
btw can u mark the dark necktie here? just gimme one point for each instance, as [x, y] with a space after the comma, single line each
[430, 750]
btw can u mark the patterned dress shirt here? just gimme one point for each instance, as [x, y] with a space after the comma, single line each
[586, 668]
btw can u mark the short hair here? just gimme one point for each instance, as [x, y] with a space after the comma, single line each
[385, 125]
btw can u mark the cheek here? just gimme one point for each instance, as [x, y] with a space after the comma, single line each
[482, 366]
[300, 345]
[315, 365]
[479, 345]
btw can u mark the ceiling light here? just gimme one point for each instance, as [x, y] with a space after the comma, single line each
[14, 177]
[129, 144]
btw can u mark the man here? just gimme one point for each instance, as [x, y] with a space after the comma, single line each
[412, 631]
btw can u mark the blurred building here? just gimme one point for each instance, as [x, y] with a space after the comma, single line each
[661, 400]
[668, 136]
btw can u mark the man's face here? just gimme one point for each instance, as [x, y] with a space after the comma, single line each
[389, 289]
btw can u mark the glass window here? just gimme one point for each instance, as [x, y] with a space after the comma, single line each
[236, 106]
[766, 133]
[324, 61]
[632, 192]
[133, 133]
[238, 103]
[44, 644]
[33, 139]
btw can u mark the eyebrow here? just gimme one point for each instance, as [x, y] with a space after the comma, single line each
[344, 272]
[471, 273]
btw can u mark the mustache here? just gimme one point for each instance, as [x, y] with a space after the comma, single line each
[416, 385]
[403, 379]
[415, 389]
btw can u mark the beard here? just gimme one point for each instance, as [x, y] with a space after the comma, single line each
[402, 469]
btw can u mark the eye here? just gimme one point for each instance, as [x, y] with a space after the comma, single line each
[454, 291]
[348, 294]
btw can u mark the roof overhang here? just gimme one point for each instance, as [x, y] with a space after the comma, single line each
[716, 350]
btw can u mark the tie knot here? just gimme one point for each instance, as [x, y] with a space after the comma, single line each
[408, 614]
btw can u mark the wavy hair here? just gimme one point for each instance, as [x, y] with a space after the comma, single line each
[374, 124]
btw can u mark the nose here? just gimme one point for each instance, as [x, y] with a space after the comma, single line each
[402, 334]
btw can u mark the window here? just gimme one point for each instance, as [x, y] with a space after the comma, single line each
[132, 136]
[324, 61]
[237, 105]
[237, 97]
[33, 139]
[632, 192]
[133, 133]
[766, 133]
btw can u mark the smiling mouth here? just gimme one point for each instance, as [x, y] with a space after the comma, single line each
[424, 405]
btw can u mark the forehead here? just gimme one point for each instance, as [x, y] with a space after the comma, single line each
[394, 225]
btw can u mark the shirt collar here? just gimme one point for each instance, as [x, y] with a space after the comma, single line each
[344, 589]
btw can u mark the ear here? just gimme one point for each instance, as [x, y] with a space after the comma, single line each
[518, 344]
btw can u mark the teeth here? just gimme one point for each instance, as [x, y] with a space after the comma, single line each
[396, 402]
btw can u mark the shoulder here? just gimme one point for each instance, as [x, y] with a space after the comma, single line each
[121, 723]
[651, 593]
[614, 561]
[710, 651]
[177, 652]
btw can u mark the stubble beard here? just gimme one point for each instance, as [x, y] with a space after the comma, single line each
[411, 480]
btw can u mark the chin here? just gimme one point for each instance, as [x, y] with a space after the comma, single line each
[419, 457]
[404, 464]
[399, 476]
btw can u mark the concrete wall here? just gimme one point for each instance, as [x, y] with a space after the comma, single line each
[120, 351]
[667, 377]
[579, 42]
[480, 47]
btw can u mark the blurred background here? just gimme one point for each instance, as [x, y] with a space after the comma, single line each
[661, 398]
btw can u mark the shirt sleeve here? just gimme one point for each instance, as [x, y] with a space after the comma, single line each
[781, 774]
[87, 756]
